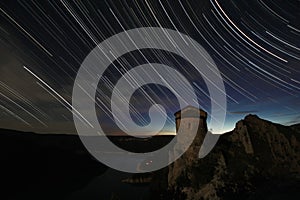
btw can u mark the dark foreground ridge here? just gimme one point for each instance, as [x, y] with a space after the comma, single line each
[257, 160]
[53, 166]
[38, 166]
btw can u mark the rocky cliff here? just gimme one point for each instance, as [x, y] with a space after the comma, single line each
[257, 160]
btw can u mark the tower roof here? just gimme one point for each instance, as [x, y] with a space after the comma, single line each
[190, 112]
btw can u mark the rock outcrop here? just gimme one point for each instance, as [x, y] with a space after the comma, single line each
[257, 160]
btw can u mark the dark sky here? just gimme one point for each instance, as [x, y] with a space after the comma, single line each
[255, 45]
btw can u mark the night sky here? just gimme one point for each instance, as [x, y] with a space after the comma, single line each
[255, 44]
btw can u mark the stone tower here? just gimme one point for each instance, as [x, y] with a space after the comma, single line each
[189, 116]
[192, 120]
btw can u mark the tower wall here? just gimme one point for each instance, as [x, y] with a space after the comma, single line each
[192, 120]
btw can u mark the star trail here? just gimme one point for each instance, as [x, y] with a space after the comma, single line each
[255, 45]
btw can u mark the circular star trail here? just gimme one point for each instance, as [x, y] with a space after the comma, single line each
[255, 45]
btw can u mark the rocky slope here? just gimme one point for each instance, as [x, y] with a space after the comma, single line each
[257, 160]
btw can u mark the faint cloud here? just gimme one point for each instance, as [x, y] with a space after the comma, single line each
[244, 112]
[295, 120]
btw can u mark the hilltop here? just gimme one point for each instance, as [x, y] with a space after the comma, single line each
[257, 160]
